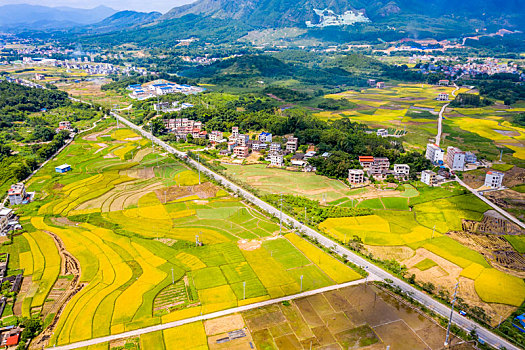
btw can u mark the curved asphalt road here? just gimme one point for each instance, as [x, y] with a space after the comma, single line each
[375, 272]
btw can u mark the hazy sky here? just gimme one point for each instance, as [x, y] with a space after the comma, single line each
[138, 5]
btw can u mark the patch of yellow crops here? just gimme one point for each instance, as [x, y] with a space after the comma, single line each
[148, 256]
[473, 271]
[217, 298]
[122, 134]
[494, 286]
[335, 269]
[182, 213]
[182, 314]
[130, 299]
[149, 199]
[156, 212]
[190, 261]
[187, 178]
[124, 151]
[190, 336]
[84, 211]
[26, 263]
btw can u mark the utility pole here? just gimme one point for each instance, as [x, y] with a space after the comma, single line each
[281, 216]
[433, 229]
[305, 215]
[500, 155]
[244, 290]
[199, 167]
[451, 314]
[302, 282]
[172, 277]
[151, 128]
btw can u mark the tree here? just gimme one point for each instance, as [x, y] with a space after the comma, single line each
[157, 127]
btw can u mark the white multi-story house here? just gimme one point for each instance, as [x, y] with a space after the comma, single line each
[428, 177]
[17, 193]
[242, 139]
[382, 132]
[494, 179]
[356, 176]
[442, 97]
[291, 144]
[235, 133]
[276, 159]
[265, 137]
[434, 153]
[275, 147]
[455, 158]
[216, 136]
[401, 171]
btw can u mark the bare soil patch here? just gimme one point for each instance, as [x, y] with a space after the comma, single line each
[94, 136]
[249, 245]
[223, 324]
[388, 253]
[203, 191]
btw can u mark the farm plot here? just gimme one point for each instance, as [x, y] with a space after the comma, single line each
[271, 180]
[143, 258]
[436, 212]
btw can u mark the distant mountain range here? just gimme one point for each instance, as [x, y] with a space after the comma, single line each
[328, 21]
[287, 13]
[42, 17]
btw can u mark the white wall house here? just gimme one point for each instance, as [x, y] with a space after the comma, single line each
[494, 179]
[434, 153]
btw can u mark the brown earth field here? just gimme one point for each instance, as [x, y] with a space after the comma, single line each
[358, 317]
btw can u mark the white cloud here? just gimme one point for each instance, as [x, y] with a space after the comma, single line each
[137, 5]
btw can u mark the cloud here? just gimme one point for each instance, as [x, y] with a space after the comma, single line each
[137, 5]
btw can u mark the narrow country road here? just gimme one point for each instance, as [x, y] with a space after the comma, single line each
[375, 272]
[234, 310]
[440, 118]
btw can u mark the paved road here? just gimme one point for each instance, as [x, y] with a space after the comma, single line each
[234, 310]
[440, 119]
[374, 271]
[494, 206]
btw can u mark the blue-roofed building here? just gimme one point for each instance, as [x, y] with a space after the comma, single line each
[64, 168]
[265, 137]
[134, 87]
[521, 323]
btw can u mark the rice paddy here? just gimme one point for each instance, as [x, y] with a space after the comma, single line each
[152, 245]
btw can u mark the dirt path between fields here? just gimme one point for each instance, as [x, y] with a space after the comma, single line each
[70, 266]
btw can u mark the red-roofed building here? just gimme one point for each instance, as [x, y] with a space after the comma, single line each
[12, 340]
[366, 161]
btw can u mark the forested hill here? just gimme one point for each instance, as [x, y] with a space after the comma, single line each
[17, 102]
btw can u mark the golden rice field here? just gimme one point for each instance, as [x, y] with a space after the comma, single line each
[131, 245]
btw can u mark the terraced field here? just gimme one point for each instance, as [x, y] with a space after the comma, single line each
[152, 245]
[419, 239]
[413, 108]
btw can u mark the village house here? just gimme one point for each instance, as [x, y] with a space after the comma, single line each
[455, 158]
[382, 132]
[298, 160]
[494, 179]
[242, 139]
[365, 162]
[434, 153]
[216, 137]
[401, 171]
[235, 134]
[380, 85]
[64, 125]
[275, 147]
[241, 151]
[442, 97]
[379, 167]
[291, 144]
[429, 177]
[17, 193]
[470, 157]
[444, 82]
[356, 176]
[265, 137]
[276, 159]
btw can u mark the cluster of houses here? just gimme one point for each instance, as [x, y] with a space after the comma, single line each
[161, 87]
[377, 168]
[456, 160]
[376, 84]
[64, 125]
[167, 107]
[182, 127]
